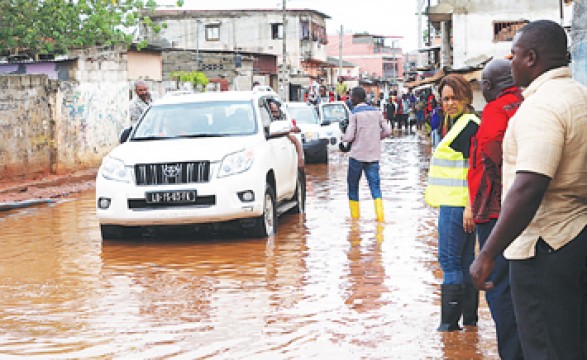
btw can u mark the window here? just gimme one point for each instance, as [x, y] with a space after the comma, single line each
[305, 30]
[276, 31]
[213, 32]
[265, 115]
[319, 34]
[275, 109]
[390, 69]
[506, 30]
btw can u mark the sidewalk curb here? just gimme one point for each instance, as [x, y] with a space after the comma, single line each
[22, 204]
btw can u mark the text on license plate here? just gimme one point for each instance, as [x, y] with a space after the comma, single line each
[171, 197]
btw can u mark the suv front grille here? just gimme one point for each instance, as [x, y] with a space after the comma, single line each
[172, 173]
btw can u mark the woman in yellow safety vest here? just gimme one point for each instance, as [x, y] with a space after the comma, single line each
[447, 190]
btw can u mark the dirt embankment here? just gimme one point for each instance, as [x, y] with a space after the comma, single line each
[46, 187]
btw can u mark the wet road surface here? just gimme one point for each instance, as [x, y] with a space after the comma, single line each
[323, 288]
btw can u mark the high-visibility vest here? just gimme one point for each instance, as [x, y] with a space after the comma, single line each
[447, 177]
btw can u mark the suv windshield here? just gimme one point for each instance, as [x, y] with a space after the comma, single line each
[303, 114]
[218, 118]
[333, 112]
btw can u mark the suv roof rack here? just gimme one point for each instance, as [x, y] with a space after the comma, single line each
[263, 88]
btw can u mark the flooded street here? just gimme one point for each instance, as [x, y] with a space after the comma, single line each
[322, 288]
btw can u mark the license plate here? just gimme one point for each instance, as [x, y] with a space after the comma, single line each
[171, 197]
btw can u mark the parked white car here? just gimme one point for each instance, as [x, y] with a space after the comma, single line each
[201, 159]
[315, 136]
[333, 113]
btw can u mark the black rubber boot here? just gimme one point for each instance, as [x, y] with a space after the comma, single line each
[470, 305]
[452, 306]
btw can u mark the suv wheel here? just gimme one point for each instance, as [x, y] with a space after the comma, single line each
[266, 224]
[323, 157]
[300, 195]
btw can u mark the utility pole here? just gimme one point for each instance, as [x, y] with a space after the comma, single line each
[428, 21]
[340, 38]
[429, 53]
[198, 45]
[283, 83]
[394, 64]
[420, 37]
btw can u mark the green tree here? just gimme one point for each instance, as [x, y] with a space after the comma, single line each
[33, 27]
[194, 77]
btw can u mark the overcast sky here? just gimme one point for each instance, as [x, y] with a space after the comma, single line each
[379, 17]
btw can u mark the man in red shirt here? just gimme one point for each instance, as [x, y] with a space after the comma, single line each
[484, 179]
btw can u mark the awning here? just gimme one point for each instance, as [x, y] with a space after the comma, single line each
[429, 49]
[420, 87]
[429, 80]
[440, 12]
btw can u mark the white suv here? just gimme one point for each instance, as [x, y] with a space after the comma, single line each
[201, 159]
[314, 139]
[333, 113]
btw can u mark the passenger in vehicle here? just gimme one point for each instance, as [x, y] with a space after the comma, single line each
[185, 125]
[220, 122]
[278, 115]
[242, 120]
[174, 127]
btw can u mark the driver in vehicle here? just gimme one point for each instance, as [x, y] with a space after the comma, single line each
[180, 126]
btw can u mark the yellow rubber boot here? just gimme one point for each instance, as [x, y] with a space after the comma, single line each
[379, 233]
[355, 210]
[379, 209]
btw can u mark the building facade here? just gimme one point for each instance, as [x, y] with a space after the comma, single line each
[378, 57]
[472, 30]
[300, 49]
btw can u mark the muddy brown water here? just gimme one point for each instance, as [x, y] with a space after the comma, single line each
[322, 288]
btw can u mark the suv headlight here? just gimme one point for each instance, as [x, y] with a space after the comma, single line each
[236, 163]
[114, 169]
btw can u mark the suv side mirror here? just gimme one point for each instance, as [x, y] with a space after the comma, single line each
[279, 127]
[125, 134]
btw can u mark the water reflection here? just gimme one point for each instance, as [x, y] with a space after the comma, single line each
[366, 274]
[323, 287]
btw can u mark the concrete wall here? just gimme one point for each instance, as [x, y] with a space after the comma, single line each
[92, 109]
[213, 65]
[93, 114]
[53, 126]
[144, 65]
[25, 125]
[56, 70]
